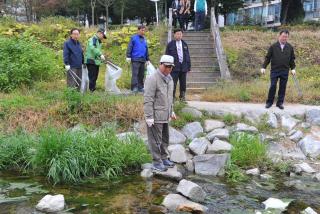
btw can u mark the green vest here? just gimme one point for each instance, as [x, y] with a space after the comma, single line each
[93, 51]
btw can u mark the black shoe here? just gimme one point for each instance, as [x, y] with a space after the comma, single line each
[168, 163]
[280, 106]
[268, 105]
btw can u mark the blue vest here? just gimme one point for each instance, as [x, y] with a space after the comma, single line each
[200, 6]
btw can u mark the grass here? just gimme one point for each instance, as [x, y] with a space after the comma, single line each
[70, 156]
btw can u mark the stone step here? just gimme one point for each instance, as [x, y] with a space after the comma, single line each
[203, 59]
[201, 42]
[200, 56]
[205, 68]
[201, 51]
[201, 74]
[193, 33]
[197, 38]
[211, 64]
[201, 46]
[200, 84]
[202, 79]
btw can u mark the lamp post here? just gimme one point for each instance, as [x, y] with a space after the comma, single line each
[157, 15]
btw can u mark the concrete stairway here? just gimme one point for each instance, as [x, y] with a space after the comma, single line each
[205, 68]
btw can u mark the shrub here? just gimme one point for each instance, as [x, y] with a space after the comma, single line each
[24, 62]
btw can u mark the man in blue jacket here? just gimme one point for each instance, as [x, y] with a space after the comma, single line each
[182, 63]
[73, 59]
[138, 55]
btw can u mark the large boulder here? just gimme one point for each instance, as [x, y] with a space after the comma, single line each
[313, 117]
[288, 122]
[190, 166]
[316, 177]
[222, 134]
[199, 146]
[192, 130]
[278, 152]
[298, 135]
[241, 127]
[272, 120]
[176, 202]
[177, 153]
[310, 146]
[192, 111]
[176, 137]
[254, 171]
[211, 164]
[51, 204]
[171, 173]
[191, 190]
[219, 146]
[210, 125]
[309, 210]
[274, 203]
[146, 173]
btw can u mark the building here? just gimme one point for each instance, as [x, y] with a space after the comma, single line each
[267, 13]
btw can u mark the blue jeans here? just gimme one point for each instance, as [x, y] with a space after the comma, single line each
[199, 21]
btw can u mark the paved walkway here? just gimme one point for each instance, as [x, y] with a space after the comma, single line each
[245, 108]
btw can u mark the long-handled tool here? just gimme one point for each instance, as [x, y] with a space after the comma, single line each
[296, 83]
[75, 77]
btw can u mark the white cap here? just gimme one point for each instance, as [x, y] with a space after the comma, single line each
[167, 60]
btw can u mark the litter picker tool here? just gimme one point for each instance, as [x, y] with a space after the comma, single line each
[296, 83]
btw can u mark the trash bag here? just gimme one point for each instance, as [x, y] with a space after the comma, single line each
[150, 69]
[113, 73]
[84, 80]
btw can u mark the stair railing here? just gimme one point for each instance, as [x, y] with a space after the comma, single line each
[170, 25]
[221, 56]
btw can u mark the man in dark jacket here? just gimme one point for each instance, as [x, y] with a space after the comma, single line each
[138, 55]
[175, 12]
[73, 59]
[180, 52]
[282, 58]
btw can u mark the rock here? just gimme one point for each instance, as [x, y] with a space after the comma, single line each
[51, 203]
[306, 125]
[313, 117]
[177, 153]
[277, 152]
[265, 177]
[274, 203]
[272, 120]
[171, 173]
[210, 125]
[309, 210]
[211, 164]
[199, 146]
[310, 146]
[292, 132]
[191, 190]
[295, 184]
[176, 137]
[192, 111]
[254, 171]
[176, 202]
[298, 135]
[190, 166]
[192, 130]
[303, 167]
[316, 177]
[146, 166]
[219, 146]
[241, 127]
[222, 134]
[288, 123]
[146, 173]
[126, 136]
[282, 135]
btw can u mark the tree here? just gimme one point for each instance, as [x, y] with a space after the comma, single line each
[292, 10]
[106, 4]
[93, 5]
[119, 8]
[228, 6]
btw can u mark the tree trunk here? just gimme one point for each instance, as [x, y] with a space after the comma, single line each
[285, 12]
[122, 12]
[107, 16]
[93, 4]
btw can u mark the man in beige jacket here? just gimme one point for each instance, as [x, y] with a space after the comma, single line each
[158, 110]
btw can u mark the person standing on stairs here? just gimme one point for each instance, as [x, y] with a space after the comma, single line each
[180, 52]
[201, 11]
[175, 12]
[282, 58]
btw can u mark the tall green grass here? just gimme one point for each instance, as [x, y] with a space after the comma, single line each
[71, 156]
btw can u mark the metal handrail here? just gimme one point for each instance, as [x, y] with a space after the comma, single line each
[170, 25]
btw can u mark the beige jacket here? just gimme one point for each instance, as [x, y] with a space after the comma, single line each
[158, 98]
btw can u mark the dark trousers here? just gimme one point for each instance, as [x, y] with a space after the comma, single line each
[93, 73]
[137, 75]
[182, 77]
[274, 77]
[74, 78]
[158, 141]
[199, 21]
[174, 20]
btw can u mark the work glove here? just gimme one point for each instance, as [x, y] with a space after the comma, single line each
[263, 71]
[173, 116]
[102, 57]
[150, 122]
[84, 66]
[67, 67]
[293, 72]
[147, 62]
[128, 60]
